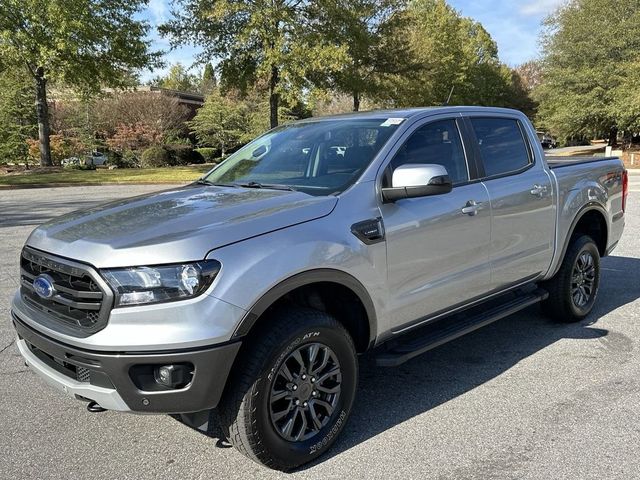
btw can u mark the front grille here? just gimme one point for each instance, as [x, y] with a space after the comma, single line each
[81, 301]
[83, 374]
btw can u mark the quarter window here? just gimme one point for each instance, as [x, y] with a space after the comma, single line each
[502, 145]
[435, 143]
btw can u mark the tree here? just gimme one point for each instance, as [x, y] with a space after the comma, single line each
[456, 61]
[152, 116]
[226, 121]
[590, 69]
[209, 81]
[270, 41]
[83, 43]
[376, 48]
[17, 118]
[178, 78]
[530, 74]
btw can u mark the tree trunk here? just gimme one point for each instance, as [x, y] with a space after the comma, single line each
[43, 118]
[274, 98]
[356, 101]
[613, 136]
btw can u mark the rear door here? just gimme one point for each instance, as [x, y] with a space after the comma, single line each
[437, 254]
[520, 192]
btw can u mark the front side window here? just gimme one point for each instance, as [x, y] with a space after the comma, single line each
[317, 157]
[435, 143]
[502, 145]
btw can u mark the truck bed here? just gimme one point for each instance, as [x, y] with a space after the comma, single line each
[559, 162]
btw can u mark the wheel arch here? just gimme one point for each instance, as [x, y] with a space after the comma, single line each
[590, 220]
[362, 327]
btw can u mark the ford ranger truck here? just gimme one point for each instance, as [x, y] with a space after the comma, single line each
[251, 292]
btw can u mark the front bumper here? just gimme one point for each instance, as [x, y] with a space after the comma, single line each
[118, 381]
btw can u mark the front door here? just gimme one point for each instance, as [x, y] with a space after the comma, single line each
[437, 246]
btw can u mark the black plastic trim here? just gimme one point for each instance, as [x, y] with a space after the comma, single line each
[581, 213]
[369, 231]
[307, 278]
[572, 161]
[411, 326]
[444, 331]
[211, 370]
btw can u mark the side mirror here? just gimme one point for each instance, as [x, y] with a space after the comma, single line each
[417, 180]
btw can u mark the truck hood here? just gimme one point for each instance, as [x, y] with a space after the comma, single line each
[174, 225]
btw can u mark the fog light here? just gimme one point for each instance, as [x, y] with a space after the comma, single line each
[172, 376]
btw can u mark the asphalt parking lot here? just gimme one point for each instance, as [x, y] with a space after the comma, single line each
[523, 398]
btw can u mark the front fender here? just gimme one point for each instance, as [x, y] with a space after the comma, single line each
[258, 271]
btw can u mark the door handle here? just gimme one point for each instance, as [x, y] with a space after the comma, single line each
[471, 208]
[539, 190]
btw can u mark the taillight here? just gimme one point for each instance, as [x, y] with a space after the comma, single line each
[625, 189]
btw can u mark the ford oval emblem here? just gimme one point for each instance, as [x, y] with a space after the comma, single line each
[43, 285]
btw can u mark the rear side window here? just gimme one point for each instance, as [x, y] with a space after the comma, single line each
[502, 145]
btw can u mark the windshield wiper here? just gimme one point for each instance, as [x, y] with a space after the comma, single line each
[273, 186]
[202, 181]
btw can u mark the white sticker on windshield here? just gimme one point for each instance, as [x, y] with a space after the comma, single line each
[392, 121]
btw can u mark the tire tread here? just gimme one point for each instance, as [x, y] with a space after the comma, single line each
[238, 411]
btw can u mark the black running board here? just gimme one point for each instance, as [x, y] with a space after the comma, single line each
[442, 331]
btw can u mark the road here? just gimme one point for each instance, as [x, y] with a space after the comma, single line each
[521, 399]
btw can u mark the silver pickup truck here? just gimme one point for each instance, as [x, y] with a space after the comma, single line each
[251, 292]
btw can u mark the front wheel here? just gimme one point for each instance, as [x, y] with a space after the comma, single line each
[573, 290]
[293, 389]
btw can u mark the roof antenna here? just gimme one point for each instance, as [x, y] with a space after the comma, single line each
[449, 98]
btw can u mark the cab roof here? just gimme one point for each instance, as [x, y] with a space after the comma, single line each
[409, 112]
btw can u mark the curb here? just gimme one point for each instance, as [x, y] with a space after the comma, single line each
[60, 185]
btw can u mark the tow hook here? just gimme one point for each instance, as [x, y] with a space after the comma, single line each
[93, 407]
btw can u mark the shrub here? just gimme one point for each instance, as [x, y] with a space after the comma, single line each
[156, 156]
[211, 155]
[79, 166]
[62, 146]
[126, 159]
[184, 155]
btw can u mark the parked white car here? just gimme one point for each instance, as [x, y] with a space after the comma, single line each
[96, 158]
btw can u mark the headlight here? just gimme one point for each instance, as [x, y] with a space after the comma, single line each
[161, 283]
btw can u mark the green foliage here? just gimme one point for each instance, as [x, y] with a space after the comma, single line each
[210, 155]
[209, 81]
[170, 155]
[590, 69]
[178, 78]
[155, 156]
[274, 43]
[85, 44]
[226, 122]
[122, 160]
[79, 166]
[454, 56]
[376, 48]
[184, 155]
[17, 117]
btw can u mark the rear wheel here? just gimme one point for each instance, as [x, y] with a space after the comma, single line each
[573, 290]
[293, 390]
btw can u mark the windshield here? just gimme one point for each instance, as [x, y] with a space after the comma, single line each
[318, 158]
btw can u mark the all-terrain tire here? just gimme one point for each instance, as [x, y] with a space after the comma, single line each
[564, 287]
[245, 413]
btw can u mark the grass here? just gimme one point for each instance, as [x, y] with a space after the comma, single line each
[104, 176]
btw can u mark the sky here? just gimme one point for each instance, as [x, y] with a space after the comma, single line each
[514, 24]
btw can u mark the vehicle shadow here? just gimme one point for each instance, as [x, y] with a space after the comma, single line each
[390, 396]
